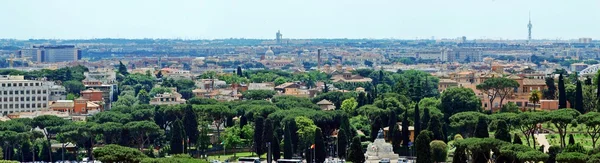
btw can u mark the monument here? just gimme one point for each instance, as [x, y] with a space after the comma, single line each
[380, 149]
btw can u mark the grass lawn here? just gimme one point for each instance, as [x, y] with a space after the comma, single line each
[238, 155]
[582, 139]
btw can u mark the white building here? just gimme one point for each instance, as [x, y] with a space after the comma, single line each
[20, 95]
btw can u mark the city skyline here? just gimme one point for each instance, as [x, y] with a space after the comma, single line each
[378, 19]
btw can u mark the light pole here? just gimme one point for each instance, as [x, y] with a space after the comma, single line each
[269, 159]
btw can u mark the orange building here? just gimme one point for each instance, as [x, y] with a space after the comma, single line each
[92, 94]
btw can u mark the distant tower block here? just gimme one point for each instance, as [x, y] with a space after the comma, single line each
[319, 59]
[278, 37]
[529, 26]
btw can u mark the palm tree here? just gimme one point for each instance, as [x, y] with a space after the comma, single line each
[534, 97]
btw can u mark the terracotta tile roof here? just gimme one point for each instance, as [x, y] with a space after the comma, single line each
[534, 82]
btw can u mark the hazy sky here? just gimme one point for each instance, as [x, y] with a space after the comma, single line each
[209, 19]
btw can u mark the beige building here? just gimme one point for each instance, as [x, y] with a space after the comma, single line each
[167, 99]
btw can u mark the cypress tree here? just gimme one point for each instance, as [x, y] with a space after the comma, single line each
[239, 71]
[294, 135]
[588, 81]
[243, 121]
[229, 122]
[405, 132]
[275, 150]
[579, 98]
[287, 144]
[417, 125]
[392, 125]
[423, 147]
[502, 132]
[345, 126]
[267, 134]
[191, 125]
[571, 139]
[320, 151]
[375, 127]
[425, 119]
[258, 132]
[435, 126]
[356, 153]
[517, 139]
[342, 142]
[459, 155]
[562, 95]
[44, 153]
[26, 152]
[397, 139]
[309, 155]
[481, 131]
[177, 136]
[361, 100]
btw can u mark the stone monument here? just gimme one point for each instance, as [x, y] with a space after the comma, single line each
[380, 149]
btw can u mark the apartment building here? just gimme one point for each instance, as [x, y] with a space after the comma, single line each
[20, 95]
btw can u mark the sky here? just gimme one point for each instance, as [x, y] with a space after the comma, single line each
[298, 19]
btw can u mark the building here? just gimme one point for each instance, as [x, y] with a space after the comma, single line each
[19, 95]
[462, 55]
[261, 86]
[326, 105]
[167, 99]
[349, 78]
[292, 89]
[57, 92]
[585, 40]
[51, 53]
[444, 84]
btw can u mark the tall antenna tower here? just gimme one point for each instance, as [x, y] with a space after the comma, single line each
[529, 26]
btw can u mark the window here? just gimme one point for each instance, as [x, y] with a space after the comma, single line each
[44, 91]
[22, 92]
[22, 98]
[27, 92]
[44, 98]
[20, 84]
[26, 84]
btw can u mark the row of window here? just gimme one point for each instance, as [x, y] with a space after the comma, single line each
[9, 99]
[20, 84]
[23, 92]
[23, 106]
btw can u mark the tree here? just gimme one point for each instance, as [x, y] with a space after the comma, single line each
[571, 140]
[111, 131]
[435, 126]
[417, 120]
[275, 147]
[122, 69]
[117, 153]
[422, 143]
[356, 153]
[510, 107]
[392, 125]
[439, 151]
[287, 144]
[141, 131]
[217, 113]
[481, 131]
[550, 93]
[231, 138]
[405, 131]
[267, 133]
[562, 95]
[190, 121]
[397, 140]
[74, 87]
[466, 122]
[517, 139]
[571, 157]
[177, 138]
[579, 98]
[456, 100]
[561, 119]
[239, 71]
[159, 75]
[143, 97]
[502, 132]
[534, 97]
[306, 131]
[349, 106]
[425, 119]
[342, 142]
[258, 139]
[591, 120]
[590, 102]
[497, 87]
[527, 123]
[361, 100]
[320, 151]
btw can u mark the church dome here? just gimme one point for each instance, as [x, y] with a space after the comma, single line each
[269, 52]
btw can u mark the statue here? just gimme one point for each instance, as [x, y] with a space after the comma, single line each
[380, 149]
[380, 134]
